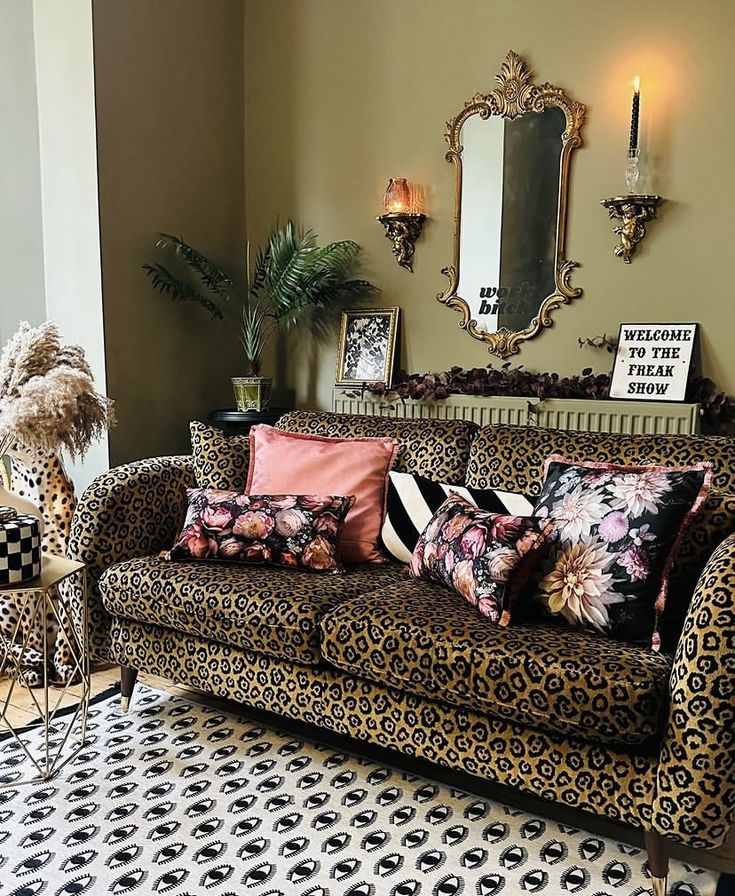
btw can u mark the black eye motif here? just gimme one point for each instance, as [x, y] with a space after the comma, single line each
[40, 796]
[169, 853]
[84, 774]
[363, 819]
[128, 882]
[335, 843]
[169, 880]
[449, 886]
[260, 768]
[259, 875]
[36, 837]
[406, 888]
[190, 752]
[287, 823]
[210, 852]
[38, 815]
[165, 830]
[235, 784]
[316, 800]
[303, 871]
[118, 774]
[124, 856]
[375, 840]
[81, 835]
[158, 811]
[216, 876]
[155, 793]
[300, 762]
[120, 834]
[122, 790]
[254, 848]
[389, 864]
[120, 812]
[246, 826]
[473, 858]
[200, 808]
[353, 797]
[454, 835]
[431, 860]
[196, 769]
[33, 863]
[294, 847]
[79, 885]
[345, 869]
[438, 814]
[79, 860]
[363, 889]
[195, 789]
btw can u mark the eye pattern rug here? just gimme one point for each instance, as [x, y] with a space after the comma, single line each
[177, 797]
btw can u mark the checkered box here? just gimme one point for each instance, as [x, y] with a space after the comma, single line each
[20, 547]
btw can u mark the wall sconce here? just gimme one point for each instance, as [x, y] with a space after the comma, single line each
[633, 210]
[403, 220]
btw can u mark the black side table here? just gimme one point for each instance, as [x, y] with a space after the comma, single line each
[235, 423]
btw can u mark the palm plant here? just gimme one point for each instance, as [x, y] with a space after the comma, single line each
[292, 279]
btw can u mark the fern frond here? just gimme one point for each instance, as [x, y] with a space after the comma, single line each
[163, 281]
[211, 276]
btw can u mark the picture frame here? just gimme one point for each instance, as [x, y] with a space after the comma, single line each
[653, 361]
[367, 346]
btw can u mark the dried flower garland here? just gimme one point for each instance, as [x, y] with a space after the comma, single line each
[718, 408]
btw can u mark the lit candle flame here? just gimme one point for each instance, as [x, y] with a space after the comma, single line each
[637, 83]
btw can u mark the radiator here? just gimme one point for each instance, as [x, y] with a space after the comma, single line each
[653, 417]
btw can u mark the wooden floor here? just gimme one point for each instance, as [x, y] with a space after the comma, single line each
[22, 710]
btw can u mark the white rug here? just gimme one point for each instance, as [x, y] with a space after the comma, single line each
[179, 798]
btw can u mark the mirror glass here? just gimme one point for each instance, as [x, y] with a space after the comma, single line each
[512, 150]
[510, 194]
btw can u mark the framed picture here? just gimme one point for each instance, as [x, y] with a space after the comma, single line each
[652, 361]
[367, 345]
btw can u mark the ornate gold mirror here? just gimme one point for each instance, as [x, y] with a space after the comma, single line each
[511, 149]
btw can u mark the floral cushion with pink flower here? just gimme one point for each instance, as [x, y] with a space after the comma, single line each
[617, 530]
[286, 530]
[486, 557]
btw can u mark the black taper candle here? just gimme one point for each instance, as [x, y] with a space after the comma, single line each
[634, 114]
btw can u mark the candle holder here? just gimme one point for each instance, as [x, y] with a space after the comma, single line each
[402, 220]
[633, 211]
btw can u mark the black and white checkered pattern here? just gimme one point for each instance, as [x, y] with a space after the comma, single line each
[20, 549]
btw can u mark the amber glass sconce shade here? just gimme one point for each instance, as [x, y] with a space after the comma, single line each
[403, 221]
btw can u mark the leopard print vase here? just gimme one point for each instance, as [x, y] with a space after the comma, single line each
[42, 480]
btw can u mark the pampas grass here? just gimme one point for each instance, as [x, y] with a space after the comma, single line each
[47, 397]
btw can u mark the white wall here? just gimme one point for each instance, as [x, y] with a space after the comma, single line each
[21, 240]
[68, 165]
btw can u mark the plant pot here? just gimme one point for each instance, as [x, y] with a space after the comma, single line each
[252, 393]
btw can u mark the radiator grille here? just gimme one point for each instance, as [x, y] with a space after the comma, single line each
[557, 413]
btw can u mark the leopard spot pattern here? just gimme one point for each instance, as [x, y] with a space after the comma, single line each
[550, 676]
[220, 461]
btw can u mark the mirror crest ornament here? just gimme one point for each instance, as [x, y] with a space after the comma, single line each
[504, 212]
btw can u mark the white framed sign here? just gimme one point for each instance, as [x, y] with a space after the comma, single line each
[652, 361]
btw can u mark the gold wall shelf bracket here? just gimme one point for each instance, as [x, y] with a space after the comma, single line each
[633, 211]
[403, 229]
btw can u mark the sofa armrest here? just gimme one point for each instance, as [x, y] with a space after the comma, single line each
[131, 510]
[695, 792]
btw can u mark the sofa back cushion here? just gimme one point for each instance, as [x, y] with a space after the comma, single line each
[220, 461]
[513, 457]
[438, 449]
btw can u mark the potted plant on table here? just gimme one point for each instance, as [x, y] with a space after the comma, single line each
[292, 279]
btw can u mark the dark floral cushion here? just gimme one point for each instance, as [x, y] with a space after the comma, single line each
[617, 530]
[286, 530]
[220, 461]
[486, 557]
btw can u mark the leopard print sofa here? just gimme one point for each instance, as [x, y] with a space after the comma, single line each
[663, 758]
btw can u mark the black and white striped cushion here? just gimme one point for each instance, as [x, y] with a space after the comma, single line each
[413, 500]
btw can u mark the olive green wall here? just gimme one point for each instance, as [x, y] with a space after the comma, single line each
[169, 90]
[342, 94]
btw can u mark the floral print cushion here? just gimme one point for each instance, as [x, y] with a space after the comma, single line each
[617, 530]
[486, 557]
[286, 530]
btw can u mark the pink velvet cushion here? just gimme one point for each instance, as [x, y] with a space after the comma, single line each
[291, 463]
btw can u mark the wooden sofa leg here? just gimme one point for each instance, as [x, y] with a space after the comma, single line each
[658, 861]
[127, 683]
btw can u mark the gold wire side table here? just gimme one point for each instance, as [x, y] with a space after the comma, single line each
[59, 734]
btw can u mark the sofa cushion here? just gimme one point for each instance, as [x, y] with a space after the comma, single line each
[438, 449]
[264, 609]
[422, 638]
[220, 460]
